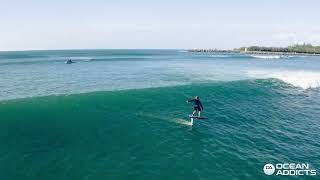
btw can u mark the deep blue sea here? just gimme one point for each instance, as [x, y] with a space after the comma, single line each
[121, 114]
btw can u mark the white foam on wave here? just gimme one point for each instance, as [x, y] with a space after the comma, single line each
[266, 57]
[165, 118]
[182, 121]
[220, 56]
[298, 78]
[80, 58]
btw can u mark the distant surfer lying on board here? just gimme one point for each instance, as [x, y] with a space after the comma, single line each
[197, 105]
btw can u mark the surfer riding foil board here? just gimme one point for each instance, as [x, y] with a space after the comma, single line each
[197, 105]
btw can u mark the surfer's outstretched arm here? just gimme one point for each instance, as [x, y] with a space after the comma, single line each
[190, 100]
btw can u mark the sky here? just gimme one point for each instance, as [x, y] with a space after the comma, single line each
[156, 24]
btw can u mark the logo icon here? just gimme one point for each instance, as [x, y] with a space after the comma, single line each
[269, 169]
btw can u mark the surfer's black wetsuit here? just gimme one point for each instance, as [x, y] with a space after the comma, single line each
[197, 104]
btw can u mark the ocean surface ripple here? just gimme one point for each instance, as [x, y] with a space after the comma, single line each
[127, 118]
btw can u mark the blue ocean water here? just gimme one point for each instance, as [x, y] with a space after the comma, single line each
[121, 114]
[42, 73]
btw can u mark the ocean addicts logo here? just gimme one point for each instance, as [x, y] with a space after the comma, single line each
[269, 169]
[289, 169]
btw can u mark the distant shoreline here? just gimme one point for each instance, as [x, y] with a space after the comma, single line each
[252, 52]
[294, 50]
[280, 53]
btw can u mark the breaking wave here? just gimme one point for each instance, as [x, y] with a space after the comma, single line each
[301, 78]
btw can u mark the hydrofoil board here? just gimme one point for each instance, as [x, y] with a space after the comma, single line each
[197, 117]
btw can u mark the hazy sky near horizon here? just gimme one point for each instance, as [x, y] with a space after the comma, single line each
[84, 24]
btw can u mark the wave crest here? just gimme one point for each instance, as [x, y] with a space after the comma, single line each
[302, 79]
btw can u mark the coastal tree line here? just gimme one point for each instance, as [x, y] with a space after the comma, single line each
[304, 48]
